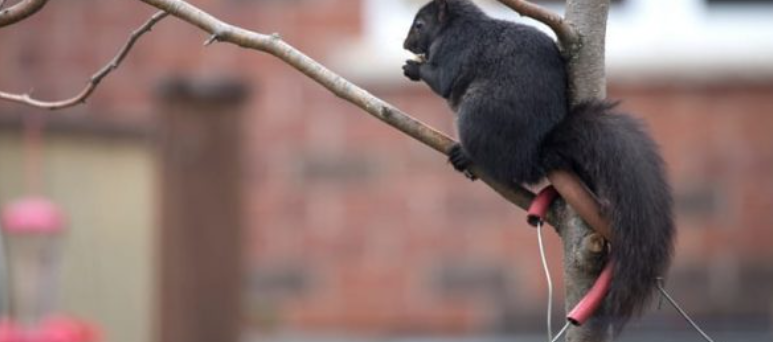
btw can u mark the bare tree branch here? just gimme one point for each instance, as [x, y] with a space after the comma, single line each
[95, 79]
[20, 11]
[274, 45]
[570, 188]
[567, 35]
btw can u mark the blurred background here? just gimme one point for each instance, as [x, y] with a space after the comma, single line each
[214, 193]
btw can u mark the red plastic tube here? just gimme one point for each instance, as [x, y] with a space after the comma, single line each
[539, 206]
[590, 303]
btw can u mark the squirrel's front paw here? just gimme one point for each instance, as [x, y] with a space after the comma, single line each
[460, 161]
[411, 70]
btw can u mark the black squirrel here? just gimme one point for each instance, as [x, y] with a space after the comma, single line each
[507, 84]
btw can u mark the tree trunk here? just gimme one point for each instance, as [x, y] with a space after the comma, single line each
[583, 259]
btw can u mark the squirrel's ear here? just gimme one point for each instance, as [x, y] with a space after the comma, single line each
[442, 6]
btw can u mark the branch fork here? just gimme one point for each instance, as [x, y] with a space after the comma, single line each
[568, 37]
[213, 38]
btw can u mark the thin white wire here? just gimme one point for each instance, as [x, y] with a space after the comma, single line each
[684, 314]
[549, 280]
[563, 330]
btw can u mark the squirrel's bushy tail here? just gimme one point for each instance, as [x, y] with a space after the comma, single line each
[620, 163]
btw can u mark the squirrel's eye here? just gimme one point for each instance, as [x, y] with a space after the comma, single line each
[418, 25]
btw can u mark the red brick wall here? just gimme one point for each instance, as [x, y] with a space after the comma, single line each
[406, 244]
[356, 227]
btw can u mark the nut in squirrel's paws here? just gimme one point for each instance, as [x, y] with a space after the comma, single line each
[420, 58]
[411, 70]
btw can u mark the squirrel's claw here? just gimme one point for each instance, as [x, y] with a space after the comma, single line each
[460, 161]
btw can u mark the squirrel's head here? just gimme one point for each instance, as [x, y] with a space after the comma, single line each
[426, 27]
[433, 18]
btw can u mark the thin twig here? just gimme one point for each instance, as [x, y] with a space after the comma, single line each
[20, 11]
[566, 34]
[213, 38]
[95, 79]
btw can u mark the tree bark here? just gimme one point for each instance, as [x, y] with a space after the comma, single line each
[587, 79]
[20, 11]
